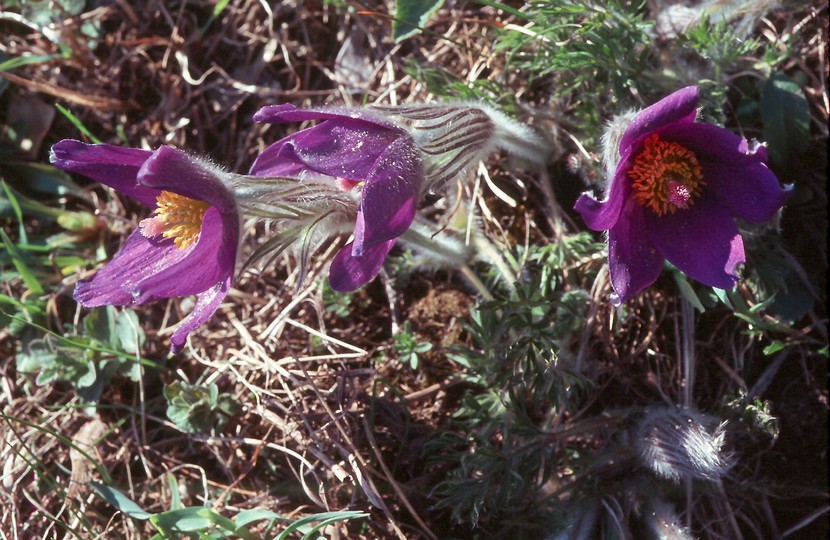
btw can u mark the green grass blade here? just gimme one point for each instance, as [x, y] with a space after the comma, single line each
[120, 501]
[14, 63]
[77, 123]
[17, 211]
[26, 274]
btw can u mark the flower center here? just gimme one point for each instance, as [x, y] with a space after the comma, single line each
[666, 176]
[345, 184]
[177, 217]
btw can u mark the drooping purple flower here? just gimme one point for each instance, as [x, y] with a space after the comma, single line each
[676, 191]
[356, 150]
[187, 247]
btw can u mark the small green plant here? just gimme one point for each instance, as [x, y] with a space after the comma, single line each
[336, 303]
[110, 342]
[498, 455]
[408, 346]
[195, 408]
[586, 49]
[411, 16]
[206, 523]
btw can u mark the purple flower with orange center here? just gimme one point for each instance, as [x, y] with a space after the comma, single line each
[361, 153]
[188, 246]
[677, 188]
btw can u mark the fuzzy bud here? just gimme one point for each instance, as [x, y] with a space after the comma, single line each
[454, 137]
[675, 444]
[662, 519]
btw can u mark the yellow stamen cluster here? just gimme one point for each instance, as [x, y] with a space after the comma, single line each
[177, 217]
[665, 176]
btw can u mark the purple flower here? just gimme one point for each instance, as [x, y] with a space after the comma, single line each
[188, 246]
[355, 150]
[677, 189]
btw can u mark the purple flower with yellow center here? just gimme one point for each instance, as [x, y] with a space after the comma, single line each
[188, 246]
[676, 191]
[359, 152]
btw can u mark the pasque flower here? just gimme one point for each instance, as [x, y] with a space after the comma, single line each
[361, 153]
[387, 158]
[675, 193]
[188, 246]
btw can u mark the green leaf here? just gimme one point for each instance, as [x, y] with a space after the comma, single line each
[88, 377]
[43, 178]
[305, 525]
[195, 408]
[100, 324]
[16, 209]
[189, 519]
[786, 117]
[246, 517]
[120, 501]
[723, 297]
[19, 61]
[688, 292]
[85, 344]
[76, 221]
[26, 274]
[423, 347]
[31, 308]
[128, 331]
[68, 264]
[774, 347]
[411, 16]
[175, 497]
[33, 359]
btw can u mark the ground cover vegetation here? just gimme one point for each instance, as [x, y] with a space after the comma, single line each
[460, 269]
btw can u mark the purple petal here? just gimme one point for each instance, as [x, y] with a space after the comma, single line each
[344, 147]
[206, 305]
[349, 273]
[113, 166]
[118, 281]
[148, 269]
[602, 216]
[679, 107]
[210, 261]
[633, 261]
[288, 113]
[749, 192]
[280, 159]
[714, 144]
[171, 170]
[389, 197]
[265, 114]
[703, 242]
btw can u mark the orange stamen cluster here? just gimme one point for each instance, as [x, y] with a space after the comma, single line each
[665, 176]
[177, 217]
